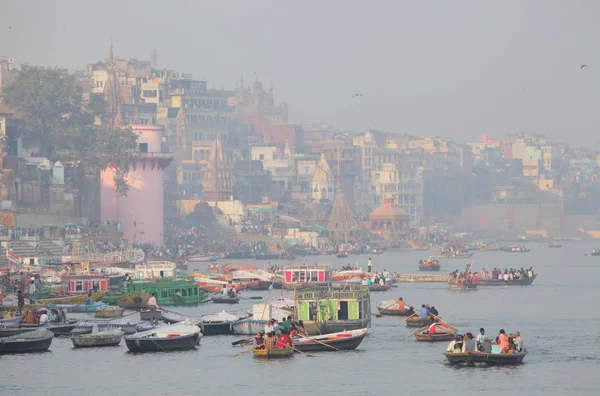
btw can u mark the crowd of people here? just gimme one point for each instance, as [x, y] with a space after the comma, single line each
[279, 335]
[507, 274]
[466, 343]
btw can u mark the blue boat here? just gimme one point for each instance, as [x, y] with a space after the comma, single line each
[77, 308]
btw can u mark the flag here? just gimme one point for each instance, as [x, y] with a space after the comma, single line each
[13, 258]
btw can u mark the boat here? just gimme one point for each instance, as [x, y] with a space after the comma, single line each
[99, 339]
[88, 328]
[345, 340]
[411, 278]
[221, 299]
[273, 353]
[431, 264]
[249, 326]
[378, 288]
[108, 311]
[326, 310]
[390, 307]
[502, 282]
[11, 322]
[74, 299]
[303, 275]
[77, 308]
[33, 341]
[595, 252]
[425, 336]
[454, 256]
[169, 292]
[11, 331]
[267, 255]
[146, 314]
[517, 249]
[61, 329]
[203, 259]
[488, 358]
[417, 321]
[219, 323]
[180, 337]
[555, 245]
[342, 254]
[462, 286]
[260, 314]
[133, 301]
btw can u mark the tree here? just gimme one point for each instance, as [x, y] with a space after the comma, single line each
[50, 102]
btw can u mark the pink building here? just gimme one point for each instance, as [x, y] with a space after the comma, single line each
[141, 211]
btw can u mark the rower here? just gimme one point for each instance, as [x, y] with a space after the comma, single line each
[259, 341]
[423, 312]
[400, 304]
[369, 265]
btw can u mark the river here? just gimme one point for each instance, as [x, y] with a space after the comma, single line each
[556, 317]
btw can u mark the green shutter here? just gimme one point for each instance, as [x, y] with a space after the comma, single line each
[333, 310]
[303, 308]
[323, 311]
[353, 310]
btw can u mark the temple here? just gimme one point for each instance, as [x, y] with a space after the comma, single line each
[112, 94]
[389, 221]
[322, 181]
[218, 180]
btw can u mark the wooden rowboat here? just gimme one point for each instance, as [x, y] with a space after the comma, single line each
[462, 286]
[391, 308]
[514, 282]
[425, 336]
[486, 358]
[273, 353]
[429, 267]
[32, 341]
[77, 299]
[108, 311]
[133, 301]
[345, 340]
[417, 321]
[100, 339]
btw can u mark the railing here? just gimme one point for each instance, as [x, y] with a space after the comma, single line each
[156, 155]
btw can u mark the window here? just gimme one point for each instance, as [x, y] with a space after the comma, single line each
[262, 157]
[163, 294]
[149, 93]
[144, 149]
[377, 176]
[78, 285]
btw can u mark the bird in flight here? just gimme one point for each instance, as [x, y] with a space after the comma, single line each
[357, 94]
[582, 66]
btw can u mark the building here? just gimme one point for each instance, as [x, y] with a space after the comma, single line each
[218, 180]
[141, 211]
[322, 182]
[389, 221]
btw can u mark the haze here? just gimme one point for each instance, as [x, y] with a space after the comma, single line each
[455, 69]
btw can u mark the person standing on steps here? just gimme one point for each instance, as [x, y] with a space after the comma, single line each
[369, 265]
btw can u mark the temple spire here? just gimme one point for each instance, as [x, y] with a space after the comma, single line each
[112, 93]
[181, 134]
[218, 180]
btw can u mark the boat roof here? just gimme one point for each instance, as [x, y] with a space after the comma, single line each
[305, 266]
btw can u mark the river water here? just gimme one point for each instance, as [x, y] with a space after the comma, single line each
[556, 316]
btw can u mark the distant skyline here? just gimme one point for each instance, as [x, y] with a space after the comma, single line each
[456, 69]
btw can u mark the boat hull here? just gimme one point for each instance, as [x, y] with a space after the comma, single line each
[225, 300]
[11, 322]
[488, 358]
[419, 322]
[181, 343]
[343, 344]
[282, 353]
[76, 308]
[146, 315]
[429, 268]
[393, 311]
[11, 331]
[517, 282]
[133, 301]
[248, 326]
[209, 329]
[462, 287]
[379, 288]
[435, 337]
[109, 313]
[110, 338]
[35, 341]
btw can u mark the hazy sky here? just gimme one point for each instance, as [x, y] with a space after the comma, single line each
[452, 68]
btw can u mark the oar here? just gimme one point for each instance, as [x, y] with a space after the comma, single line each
[414, 332]
[241, 353]
[322, 343]
[252, 298]
[305, 354]
[443, 321]
[238, 342]
[405, 319]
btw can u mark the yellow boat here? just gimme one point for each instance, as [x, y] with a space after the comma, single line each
[273, 353]
[108, 312]
[134, 301]
[76, 299]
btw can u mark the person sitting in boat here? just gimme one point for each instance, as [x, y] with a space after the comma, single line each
[502, 339]
[400, 303]
[53, 317]
[270, 341]
[293, 331]
[455, 345]
[481, 338]
[62, 316]
[433, 311]
[268, 327]
[259, 341]
[43, 317]
[283, 340]
[224, 290]
[510, 348]
[517, 341]
[300, 328]
[20, 301]
[423, 312]
[231, 292]
[411, 311]
[469, 344]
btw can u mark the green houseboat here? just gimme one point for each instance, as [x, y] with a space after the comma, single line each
[326, 310]
[169, 291]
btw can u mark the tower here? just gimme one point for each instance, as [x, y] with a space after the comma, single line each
[182, 148]
[218, 181]
[112, 94]
[322, 181]
[342, 223]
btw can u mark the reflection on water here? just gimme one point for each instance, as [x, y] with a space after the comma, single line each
[555, 316]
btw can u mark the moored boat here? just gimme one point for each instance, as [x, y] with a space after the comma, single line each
[274, 353]
[425, 336]
[417, 321]
[11, 331]
[502, 282]
[378, 288]
[345, 340]
[11, 322]
[203, 259]
[100, 339]
[453, 256]
[74, 299]
[133, 301]
[248, 326]
[342, 254]
[554, 245]
[219, 323]
[221, 299]
[77, 308]
[108, 311]
[487, 358]
[33, 341]
[179, 337]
